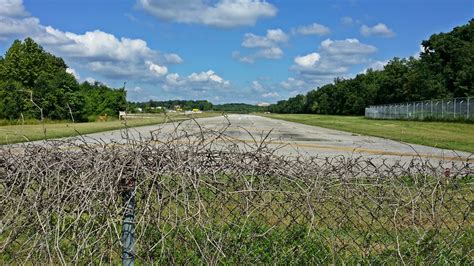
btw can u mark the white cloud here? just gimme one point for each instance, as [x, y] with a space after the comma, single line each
[90, 80]
[101, 52]
[307, 60]
[257, 86]
[268, 46]
[137, 89]
[223, 13]
[313, 29]
[156, 69]
[271, 39]
[296, 85]
[173, 59]
[173, 79]
[97, 45]
[377, 65]
[417, 54]
[333, 58]
[16, 27]
[271, 95]
[377, 30]
[270, 53]
[292, 83]
[207, 76]
[277, 35]
[251, 41]
[73, 72]
[12, 8]
[243, 59]
[196, 83]
[347, 21]
[346, 47]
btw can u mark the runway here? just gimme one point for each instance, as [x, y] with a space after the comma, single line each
[293, 139]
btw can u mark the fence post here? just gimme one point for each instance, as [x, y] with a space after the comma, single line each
[468, 110]
[422, 108]
[407, 116]
[442, 108]
[128, 223]
[454, 108]
[431, 109]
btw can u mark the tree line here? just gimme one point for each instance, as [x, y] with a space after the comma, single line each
[151, 106]
[445, 69]
[35, 84]
[203, 105]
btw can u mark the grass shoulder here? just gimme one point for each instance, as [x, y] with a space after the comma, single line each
[57, 129]
[446, 135]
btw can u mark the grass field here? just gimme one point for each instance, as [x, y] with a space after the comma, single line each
[447, 135]
[23, 133]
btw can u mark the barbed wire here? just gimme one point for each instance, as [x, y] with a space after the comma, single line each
[208, 198]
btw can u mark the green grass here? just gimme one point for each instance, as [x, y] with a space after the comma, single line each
[22, 133]
[447, 135]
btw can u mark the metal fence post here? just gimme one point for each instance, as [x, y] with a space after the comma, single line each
[454, 108]
[468, 110]
[431, 107]
[442, 108]
[128, 224]
[407, 112]
[422, 108]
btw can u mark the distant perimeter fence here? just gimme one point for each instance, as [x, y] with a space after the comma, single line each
[443, 109]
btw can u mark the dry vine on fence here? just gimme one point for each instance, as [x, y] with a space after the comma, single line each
[206, 198]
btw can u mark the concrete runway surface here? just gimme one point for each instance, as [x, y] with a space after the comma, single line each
[297, 139]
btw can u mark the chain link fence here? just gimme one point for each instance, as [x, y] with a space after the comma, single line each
[207, 199]
[444, 109]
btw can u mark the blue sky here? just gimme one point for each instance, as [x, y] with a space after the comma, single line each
[226, 50]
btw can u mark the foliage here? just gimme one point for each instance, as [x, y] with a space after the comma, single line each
[151, 106]
[445, 69]
[203, 105]
[33, 81]
[238, 108]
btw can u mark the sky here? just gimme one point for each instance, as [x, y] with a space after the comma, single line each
[224, 51]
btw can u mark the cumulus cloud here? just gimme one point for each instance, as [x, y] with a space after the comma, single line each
[268, 46]
[297, 85]
[313, 29]
[97, 45]
[101, 52]
[346, 47]
[90, 80]
[347, 21]
[73, 72]
[257, 86]
[271, 39]
[333, 58]
[12, 8]
[292, 83]
[156, 69]
[270, 53]
[377, 65]
[195, 82]
[379, 29]
[273, 94]
[173, 79]
[248, 59]
[221, 13]
[307, 60]
[16, 27]
[208, 76]
[277, 35]
[173, 59]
